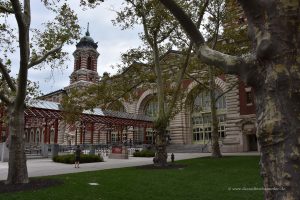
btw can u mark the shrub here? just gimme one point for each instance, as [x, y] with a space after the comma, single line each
[144, 153]
[84, 158]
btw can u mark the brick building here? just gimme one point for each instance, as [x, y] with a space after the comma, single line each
[191, 127]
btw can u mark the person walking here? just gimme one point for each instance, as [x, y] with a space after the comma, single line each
[77, 156]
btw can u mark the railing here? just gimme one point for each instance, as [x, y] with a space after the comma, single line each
[45, 150]
[33, 149]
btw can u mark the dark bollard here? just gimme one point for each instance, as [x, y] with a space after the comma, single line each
[172, 157]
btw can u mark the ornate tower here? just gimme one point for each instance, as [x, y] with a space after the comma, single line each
[85, 62]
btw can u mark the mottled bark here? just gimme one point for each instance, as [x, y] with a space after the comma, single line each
[17, 171]
[277, 87]
[278, 119]
[275, 77]
[161, 151]
[215, 147]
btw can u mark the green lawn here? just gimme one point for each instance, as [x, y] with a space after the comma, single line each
[201, 179]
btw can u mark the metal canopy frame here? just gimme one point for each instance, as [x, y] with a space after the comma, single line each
[110, 121]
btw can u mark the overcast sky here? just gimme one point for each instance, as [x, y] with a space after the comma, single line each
[111, 42]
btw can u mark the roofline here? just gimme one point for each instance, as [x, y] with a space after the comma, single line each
[54, 92]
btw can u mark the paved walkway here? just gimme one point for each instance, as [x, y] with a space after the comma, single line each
[46, 167]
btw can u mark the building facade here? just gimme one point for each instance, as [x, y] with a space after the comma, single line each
[191, 125]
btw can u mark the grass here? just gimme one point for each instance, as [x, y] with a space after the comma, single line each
[201, 179]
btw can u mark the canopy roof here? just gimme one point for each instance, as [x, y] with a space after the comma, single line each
[52, 110]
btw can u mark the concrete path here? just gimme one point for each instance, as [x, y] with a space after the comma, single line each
[46, 167]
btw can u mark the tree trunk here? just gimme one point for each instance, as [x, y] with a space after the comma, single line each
[215, 148]
[17, 171]
[161, 155]
[275, 76]
[276, 83]
[161, 150]
[278, 119]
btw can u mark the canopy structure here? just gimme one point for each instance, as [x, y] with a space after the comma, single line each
[93, 126]
[52, 110]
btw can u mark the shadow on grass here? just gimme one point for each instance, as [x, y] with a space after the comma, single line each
[34, 184]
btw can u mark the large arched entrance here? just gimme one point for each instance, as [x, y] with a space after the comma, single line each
[201, 116]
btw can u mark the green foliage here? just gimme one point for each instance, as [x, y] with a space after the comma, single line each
[44, 46]
[235, 40]
[70, 158]
[144, 153]
[72, 105]
[63, 29]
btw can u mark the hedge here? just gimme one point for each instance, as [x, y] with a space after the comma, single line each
[144, 153]
[84, 158]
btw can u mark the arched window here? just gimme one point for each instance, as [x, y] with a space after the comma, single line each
[202, 101]
[201, 116]
[37, 137]
[52, 135]
[27, 136]
[89, 63]
[151, 108]
[78, 63]
[31, 140]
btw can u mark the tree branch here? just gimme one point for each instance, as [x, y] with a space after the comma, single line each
[228, 90]
[255, 13]
[4, 98]
[230, 64]
[18, 12]
[23, 26]
[182, 72]
[4, 9]
[27, 9]
[179, 80]
[166, 35]
[6, 76]
[44, 57]
[124, 93]
[185, 21]
[146, 31]
[195, 79]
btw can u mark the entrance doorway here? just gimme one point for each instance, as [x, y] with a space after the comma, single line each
[252, 142]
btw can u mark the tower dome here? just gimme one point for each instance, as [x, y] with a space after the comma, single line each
[87, 40]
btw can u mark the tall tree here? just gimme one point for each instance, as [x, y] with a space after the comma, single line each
[45, 46]
[217, 14]
[273, 70]
[158, 30]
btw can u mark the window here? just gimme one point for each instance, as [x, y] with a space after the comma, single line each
[89, 63]
[201, 117]
[113, 137]
[37, 137]
[202, 101]
[249, 99]
[78, 63]
[150, 136]
[151, 108]
[31, 139]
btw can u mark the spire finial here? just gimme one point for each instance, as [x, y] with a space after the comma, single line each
[87, 33]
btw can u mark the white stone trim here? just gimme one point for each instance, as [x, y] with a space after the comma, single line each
[143, 97]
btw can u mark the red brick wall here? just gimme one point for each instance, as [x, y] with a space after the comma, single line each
[245, 108]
